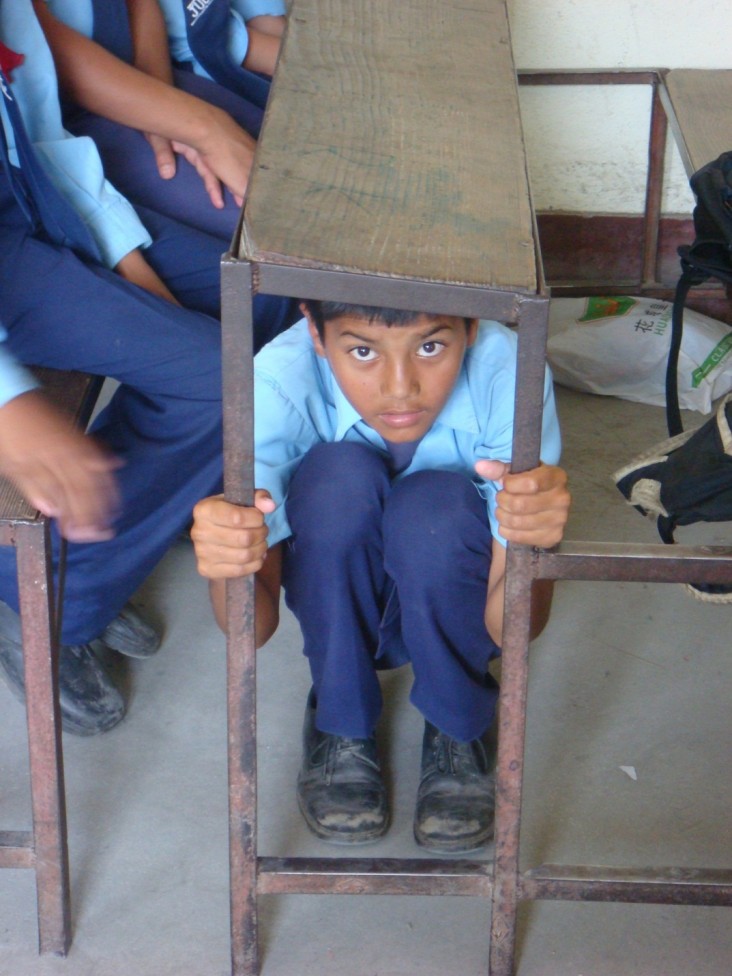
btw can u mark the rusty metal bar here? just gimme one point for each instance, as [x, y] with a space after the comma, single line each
[654, 187]
[656, 156]
[40, 653]
[661, 886]
[577, 76]
[16, 849]
[359, 288]
[530, 373]
[237, 294]
[678, 135]
[565, 289]
[528, 411]
[633, 562]
[374, 876]
[509, 767]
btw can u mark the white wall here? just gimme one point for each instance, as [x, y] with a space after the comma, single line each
[587, 147]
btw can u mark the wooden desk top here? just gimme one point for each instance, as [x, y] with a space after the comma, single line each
[392, 145]
[701, 114]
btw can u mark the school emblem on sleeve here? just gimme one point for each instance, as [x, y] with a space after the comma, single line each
[197, 7]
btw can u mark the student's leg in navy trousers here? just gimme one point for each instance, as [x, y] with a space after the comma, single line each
[380, 568]
[164, 421]
[189, 262]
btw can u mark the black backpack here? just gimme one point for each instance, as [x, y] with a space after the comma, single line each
[710, 256]
[688, 478]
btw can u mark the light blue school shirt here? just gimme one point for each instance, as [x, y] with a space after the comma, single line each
[72, 163]
[298, 404]
[14, 379]
[237, 39]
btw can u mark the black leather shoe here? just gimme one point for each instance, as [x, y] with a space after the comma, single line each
[90, 701]
[339, 788]
[455, 800]
[130, 635]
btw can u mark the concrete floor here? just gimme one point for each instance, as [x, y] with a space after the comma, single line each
[626, 675]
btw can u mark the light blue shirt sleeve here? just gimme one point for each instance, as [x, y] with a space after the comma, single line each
[498, 446]
[14, 378]
[72, 163]
[78, 14]
[291, 415]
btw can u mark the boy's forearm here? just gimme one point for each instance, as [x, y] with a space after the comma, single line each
[134, 268]
[100, 82]
[542, 592]
[217, 595]
[150, 39]
[266, 609]
[268, 24]
[262, 52]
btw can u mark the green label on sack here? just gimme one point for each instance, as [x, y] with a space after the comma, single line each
[606, 308]
[714, 358]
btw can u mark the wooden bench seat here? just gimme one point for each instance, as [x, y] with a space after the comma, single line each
[699, 106]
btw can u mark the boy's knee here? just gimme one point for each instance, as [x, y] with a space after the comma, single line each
[337, 492]
[433, 515]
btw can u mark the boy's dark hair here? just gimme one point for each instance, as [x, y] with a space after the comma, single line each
[322, 312]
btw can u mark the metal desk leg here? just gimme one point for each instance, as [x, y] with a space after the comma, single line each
[40, 647]
[515, 657]
[237, 293]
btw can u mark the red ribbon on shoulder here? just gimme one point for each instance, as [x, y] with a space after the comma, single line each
[9, 60]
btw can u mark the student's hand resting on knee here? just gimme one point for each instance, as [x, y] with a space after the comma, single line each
[230, 540]
[100, 82]
[533, 506]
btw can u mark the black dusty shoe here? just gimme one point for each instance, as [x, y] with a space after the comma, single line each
[90, 701]
[339, 788]
[455, 800]
[130, 635]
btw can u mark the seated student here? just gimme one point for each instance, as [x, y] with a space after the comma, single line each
[383, 504]
[231, 41]
[83, 285]
[171, 141]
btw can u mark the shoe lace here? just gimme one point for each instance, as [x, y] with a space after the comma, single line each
[339, 748]
[451, 756]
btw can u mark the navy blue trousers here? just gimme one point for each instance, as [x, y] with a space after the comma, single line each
[381, 572]
[164, 421]
[189, 262]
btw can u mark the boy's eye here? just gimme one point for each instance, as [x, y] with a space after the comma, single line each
[363, 353]
[430, 348]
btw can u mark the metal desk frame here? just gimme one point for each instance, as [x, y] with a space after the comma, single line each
[43, 848]
[503, 881]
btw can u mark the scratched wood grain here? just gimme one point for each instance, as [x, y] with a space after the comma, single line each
[702, 106]
[393, 145]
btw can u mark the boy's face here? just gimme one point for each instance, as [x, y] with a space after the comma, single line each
[397, 377]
